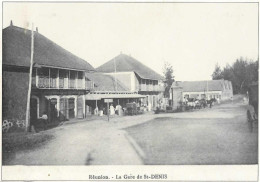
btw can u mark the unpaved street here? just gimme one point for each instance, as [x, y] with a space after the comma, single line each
[220, 135]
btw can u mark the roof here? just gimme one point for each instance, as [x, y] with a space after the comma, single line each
[112, 96]
[127, 63]
[201, 86]
[17, 51]
[105, 82]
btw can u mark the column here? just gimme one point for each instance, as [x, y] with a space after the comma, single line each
[84, 106]
[58, 106]
[76, 106]
[37, 78]
[58, 79]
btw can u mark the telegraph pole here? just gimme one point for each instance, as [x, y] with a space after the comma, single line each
[115, 73]
[27, 119]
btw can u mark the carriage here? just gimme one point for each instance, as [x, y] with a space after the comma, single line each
[252, 112]
[133, 109]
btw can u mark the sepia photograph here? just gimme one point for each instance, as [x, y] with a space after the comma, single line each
[129, 83]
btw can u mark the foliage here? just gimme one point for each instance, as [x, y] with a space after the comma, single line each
[169, 78]
[241, 73]
[217, 74]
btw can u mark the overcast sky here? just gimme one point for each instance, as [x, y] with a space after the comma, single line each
[192, 37]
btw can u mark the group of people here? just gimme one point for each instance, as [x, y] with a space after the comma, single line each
[112, 110]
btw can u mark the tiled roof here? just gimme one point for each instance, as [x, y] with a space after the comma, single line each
[17, 50]
[105, 82]
[126, 63]
[201, 86]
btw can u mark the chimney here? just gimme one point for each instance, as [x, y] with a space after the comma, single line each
[11, 23]
[37, 29]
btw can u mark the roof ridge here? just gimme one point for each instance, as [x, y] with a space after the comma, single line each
[47, 52]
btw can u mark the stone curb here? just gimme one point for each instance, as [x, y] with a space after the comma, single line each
[136, 147]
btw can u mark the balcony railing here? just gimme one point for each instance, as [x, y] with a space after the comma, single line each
[58, 79]
[89, 85]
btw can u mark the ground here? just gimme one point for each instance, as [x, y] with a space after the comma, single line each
[220, 135]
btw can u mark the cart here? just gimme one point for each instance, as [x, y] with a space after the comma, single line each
[252, 112]
[131, 109]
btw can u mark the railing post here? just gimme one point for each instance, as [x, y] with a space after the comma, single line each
[77, 76]
[58, 79]
[49, 78]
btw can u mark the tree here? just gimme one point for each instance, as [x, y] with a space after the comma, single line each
[241, 73]
[169, 78]
[217, 74]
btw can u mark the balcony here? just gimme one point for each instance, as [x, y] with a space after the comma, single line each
[150, 88]
[48, 78]
[89, 85]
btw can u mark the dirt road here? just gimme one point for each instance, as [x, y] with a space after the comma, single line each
[217, 135]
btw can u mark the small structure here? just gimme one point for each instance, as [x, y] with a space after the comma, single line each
[175, 95]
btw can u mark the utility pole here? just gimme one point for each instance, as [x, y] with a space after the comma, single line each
[27, 119]
[207, 89]
[115, 73]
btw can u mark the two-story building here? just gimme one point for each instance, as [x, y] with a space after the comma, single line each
[136, 77]
[107, 87]
[59, 83]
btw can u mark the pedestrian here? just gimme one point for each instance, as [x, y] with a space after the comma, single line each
[112, 109]
[44, 120]
[96, 111]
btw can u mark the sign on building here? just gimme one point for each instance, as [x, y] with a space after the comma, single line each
[108, 100]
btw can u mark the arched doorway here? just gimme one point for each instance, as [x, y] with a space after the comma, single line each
[64, 115]
[52, 110]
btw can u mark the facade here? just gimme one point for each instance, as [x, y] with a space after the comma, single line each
[106, 87]
[221, 89]
[59, 83]
[136, 77]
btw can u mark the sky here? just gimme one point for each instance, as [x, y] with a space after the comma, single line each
[192, 37]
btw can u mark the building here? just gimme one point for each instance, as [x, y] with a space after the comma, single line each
[136, 77]
[59, 83]
[221, 89]
[107, 87]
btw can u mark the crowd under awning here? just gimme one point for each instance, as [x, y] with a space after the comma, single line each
[112, 96]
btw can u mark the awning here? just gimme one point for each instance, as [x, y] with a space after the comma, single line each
[112, 96]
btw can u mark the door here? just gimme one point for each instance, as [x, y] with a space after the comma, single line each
[80, 107]
[53, 110]
[71, 108]
[63, 109]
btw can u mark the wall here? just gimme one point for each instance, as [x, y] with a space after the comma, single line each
[15, 90]
[176, 97]
[124, 77]
[201, 93]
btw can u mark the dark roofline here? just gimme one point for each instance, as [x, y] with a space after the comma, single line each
[58, 46]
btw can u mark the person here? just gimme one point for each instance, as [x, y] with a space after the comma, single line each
[210, 103]
[119, 109]
[44, 120]
[96, 111]
[112, 109]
